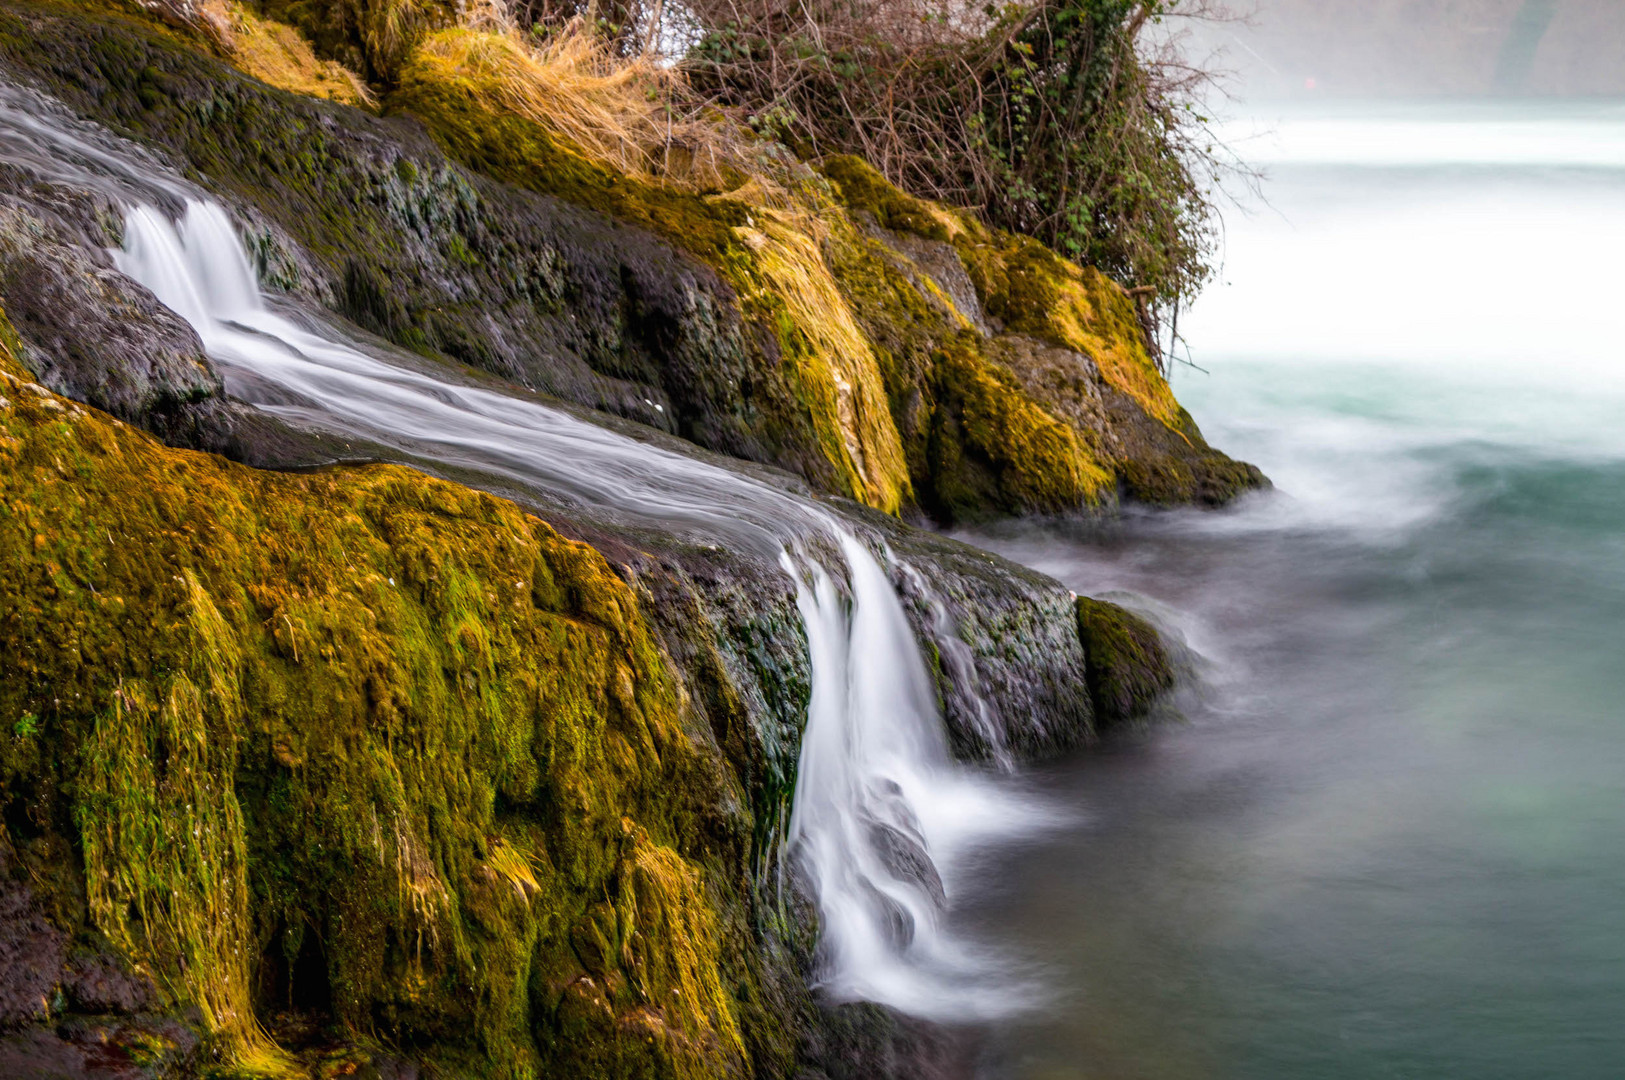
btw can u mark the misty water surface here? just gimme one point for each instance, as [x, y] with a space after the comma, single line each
[1388, 838]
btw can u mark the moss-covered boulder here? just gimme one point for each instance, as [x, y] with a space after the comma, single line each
[358, 772]
[1129, 665]
[361, 747]
[1021, 382]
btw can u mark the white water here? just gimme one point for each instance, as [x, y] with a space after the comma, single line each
[880, 811]
[1422, 276]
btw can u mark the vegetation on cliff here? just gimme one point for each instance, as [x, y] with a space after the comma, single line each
[1075, 122]
[848, 302]
[902, 357]
[353, 766]
[361, 741]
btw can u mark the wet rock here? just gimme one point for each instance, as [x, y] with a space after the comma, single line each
[100, 982]
[1163, 466]
[1002, 641]
[905, 856]
[867, 1042]
[139, 1049]
[368, 216]
[31, 954]
[1129, 664]
[94, 335]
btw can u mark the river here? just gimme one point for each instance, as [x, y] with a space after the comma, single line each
[1387, 838]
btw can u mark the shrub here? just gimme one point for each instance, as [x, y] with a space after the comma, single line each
[1071, 121]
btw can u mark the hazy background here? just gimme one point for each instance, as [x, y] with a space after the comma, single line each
[1301, 49]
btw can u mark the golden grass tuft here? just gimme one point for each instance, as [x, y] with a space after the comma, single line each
[515, 867]
[838, 367]
[632, 115]
[277, 54]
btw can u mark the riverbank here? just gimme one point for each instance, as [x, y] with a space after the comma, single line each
[653, 762]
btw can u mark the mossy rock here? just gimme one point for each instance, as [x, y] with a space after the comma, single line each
[361, 743]
[1040, 400]
[1128, 663]
[862, 188]
[994, 451]
[660, 304]
[809, 377]
[1172, 466]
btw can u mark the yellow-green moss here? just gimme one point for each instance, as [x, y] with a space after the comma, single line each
[1127, 663]
[370, 36]
[994, 450]
[397, 714]
[1024, 284]
[839, 375]
[863, 188]
[978, 444]
[775, 267]
[1034, 291]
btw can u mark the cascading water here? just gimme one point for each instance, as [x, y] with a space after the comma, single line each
[880, 815]
[880, 811]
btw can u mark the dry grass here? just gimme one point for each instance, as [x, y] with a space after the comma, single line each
[515, 867]
[277, 54]
[838, 367]
[630, 114]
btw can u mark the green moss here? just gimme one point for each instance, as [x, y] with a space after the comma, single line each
[766, 364]
[523, 153]
[862, 188]
[1031, 290]
[1128, 664]
[978, 444]
[777, 273]
[993, 449]
[370, 36]
[393, 718]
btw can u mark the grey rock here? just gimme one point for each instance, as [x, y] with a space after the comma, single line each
[92, 334]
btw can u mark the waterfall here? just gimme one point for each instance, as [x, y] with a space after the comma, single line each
[880, 812]
[881, 815]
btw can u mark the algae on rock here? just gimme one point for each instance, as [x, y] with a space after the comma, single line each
[1129, 664]
[713, 316]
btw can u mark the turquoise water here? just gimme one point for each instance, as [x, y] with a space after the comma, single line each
[1388, 837]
